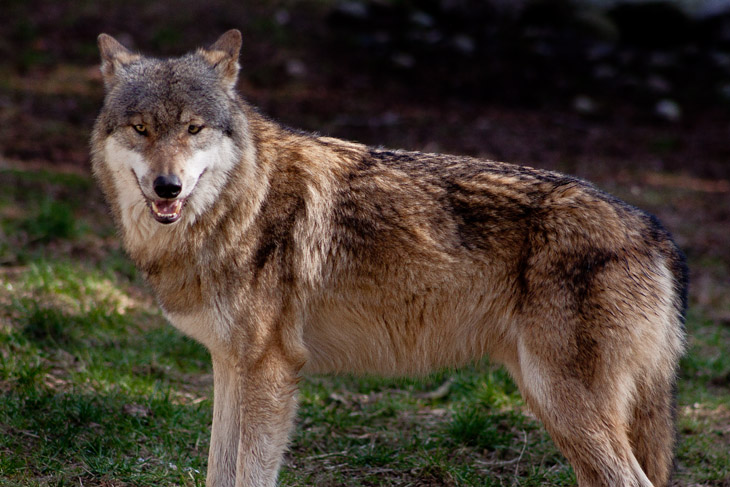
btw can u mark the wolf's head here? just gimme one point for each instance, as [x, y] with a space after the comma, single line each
[170, 129]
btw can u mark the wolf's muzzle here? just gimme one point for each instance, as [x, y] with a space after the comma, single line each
[168, 186]
[168, 209]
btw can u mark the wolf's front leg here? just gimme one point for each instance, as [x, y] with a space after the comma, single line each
[253, 413]
[227, 396]
[266, 418]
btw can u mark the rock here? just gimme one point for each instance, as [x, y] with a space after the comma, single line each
[403, 60]
[282, 16]
[464, 44]
[604, 71]
[421, 19]
[657, 84]
[668, 110]
[354, 9]
[584, 105]
[296, 68]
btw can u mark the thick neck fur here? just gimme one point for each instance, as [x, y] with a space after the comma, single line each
[248, 223]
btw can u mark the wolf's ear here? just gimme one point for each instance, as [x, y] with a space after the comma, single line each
[113, 56]
[223, 56]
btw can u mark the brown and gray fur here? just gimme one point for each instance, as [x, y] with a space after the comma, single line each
[298, 253]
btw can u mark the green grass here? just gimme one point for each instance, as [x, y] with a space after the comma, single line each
[38, 208]
[96, 389]
[90, 386]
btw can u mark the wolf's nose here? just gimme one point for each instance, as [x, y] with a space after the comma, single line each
[167, 186]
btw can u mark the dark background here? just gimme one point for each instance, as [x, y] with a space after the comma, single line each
[634, 98]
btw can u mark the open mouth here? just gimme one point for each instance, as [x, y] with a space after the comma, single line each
[167, 211]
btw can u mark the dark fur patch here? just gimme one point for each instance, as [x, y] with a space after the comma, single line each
[487, 221]
[281, 209]
[579, 271]
[369, 226]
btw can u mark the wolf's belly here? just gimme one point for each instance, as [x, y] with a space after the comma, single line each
[413, 336]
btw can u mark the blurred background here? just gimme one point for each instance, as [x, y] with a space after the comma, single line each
[633, 96]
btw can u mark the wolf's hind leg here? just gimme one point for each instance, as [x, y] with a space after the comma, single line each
[589, 425]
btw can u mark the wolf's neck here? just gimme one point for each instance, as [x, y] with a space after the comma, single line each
[281, 177]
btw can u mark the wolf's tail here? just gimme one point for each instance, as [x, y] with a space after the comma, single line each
[653, 428]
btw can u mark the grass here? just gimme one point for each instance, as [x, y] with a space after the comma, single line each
[96, 389]
[89, 385]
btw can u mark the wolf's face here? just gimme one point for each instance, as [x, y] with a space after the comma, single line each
[169, 127]
[174, 163]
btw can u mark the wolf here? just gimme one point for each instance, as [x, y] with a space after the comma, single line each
[285, 253]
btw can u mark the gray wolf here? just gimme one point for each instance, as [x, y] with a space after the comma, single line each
[285, 253]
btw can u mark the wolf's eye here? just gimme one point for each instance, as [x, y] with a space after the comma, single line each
[140, 128]
[194, 129]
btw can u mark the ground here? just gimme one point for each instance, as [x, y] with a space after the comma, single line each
[96, 389]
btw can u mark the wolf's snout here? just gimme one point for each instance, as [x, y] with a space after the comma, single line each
[168, 186]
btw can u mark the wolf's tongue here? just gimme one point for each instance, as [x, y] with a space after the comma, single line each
[167, 211]
[167, 207]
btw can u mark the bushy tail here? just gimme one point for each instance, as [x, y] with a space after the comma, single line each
[653, 431]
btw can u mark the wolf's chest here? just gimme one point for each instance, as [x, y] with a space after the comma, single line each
[210, 327]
